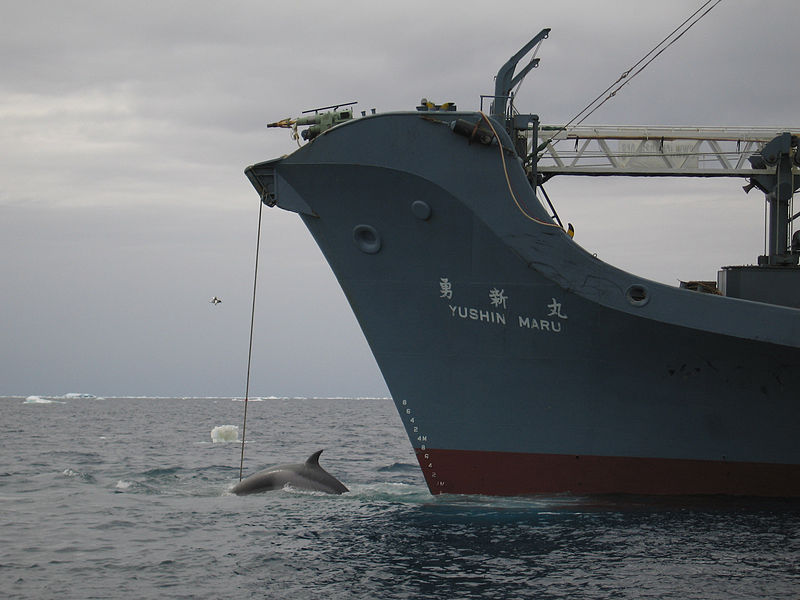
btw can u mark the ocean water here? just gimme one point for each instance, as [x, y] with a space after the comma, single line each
[127, 498]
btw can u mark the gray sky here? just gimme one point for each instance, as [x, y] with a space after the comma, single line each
[125, 129]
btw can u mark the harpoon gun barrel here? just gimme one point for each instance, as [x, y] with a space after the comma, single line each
[283, 123]
[319, 122]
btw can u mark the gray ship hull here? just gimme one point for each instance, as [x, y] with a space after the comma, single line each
[518, 362]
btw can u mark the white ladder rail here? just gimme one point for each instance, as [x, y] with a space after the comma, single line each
[654, 151]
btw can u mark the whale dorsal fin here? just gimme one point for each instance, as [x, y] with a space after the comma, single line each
[313, 460]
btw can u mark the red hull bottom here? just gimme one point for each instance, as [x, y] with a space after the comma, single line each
[518, 474]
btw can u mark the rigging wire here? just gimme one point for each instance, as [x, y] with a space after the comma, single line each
[250, 345]
[626, 76]
[508, 179]
[533, 58]
[550, 204]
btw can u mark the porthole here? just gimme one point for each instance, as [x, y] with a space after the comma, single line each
[367, 239]
[637, 295]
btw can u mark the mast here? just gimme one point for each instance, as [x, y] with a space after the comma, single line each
[780, 156]
[773, 154]
[506, 80]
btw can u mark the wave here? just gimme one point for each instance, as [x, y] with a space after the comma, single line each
[75, 395]
[263, 398]
[126, 485]
[403, 493]
[79, 475]
[161, 472]
[41, 400]
[394, 493]
[398, 468]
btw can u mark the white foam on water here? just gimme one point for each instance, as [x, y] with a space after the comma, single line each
[225, 433]
[123, 485]
[79, 395]
[390, 492]
[85, 477]
[40, 400]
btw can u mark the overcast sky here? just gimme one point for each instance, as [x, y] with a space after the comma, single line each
[125, 129]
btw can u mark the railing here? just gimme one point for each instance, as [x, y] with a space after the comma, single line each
[652, 151]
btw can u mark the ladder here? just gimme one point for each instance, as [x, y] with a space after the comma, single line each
[651, 151]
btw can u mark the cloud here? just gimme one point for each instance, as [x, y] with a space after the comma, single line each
[124, 131]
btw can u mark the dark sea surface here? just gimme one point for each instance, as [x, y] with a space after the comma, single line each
[127, 498]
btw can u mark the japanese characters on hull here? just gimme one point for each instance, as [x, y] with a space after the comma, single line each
[495, 311]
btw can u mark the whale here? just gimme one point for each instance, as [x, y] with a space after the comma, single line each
[303, 476]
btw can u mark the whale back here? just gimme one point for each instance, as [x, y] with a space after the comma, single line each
[308, 475]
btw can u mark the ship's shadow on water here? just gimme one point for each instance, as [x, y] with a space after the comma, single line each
[405, 543]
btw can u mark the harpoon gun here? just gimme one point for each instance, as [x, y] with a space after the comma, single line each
[319, 121]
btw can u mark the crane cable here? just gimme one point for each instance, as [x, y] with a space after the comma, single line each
[250, 345]
[533, 58]
[657, 50]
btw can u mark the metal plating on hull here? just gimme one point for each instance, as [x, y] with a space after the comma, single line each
[518, 362]
[466, 472]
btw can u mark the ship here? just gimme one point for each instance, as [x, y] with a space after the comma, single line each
[519, 362]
